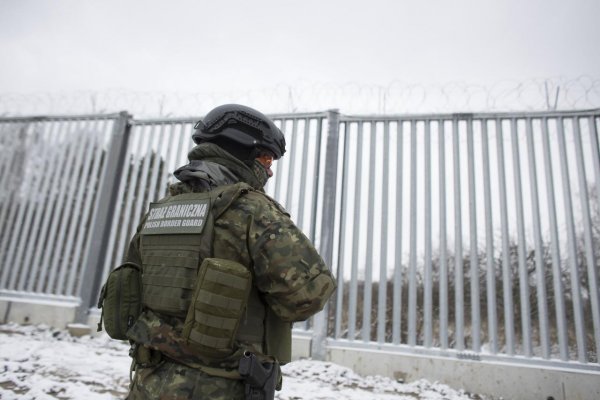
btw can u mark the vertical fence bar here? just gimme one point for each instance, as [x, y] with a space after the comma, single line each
[303, 192]
[523, 277]
[92, 270]
[492, 317]
[587, 232]
[316, 181]
[458, 246]
[412, 271]
[397, 298]
[355, 237]
[281, 164]
[537, 234]
[427, 272]
[292, 167]
[328, 221]
[572, 244]
[443, 242]
[383, 249]
[344, 228]
[367, 299]
[559, 299]
[509, 327]
[474, 256]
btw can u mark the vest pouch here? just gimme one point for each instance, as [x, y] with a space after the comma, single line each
[218, 303]
[121, 300]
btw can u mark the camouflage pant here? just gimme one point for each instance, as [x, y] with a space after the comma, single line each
[172, 381]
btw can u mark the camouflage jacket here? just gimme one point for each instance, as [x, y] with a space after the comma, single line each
[290, 279]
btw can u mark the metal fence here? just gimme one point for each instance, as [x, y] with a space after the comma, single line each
[464, 235]
[473, 235]
[51, 170]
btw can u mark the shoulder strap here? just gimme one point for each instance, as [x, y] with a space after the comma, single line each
[226, 195]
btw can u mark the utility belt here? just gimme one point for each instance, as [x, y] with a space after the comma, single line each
[261, 378]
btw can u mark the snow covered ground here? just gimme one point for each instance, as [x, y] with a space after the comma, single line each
[38, 362]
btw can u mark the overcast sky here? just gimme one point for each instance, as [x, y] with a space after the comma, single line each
[211, 46]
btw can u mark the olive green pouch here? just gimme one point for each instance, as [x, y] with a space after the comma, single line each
[218, 303]
[121, 300]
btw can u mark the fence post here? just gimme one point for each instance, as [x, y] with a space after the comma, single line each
[319, 334]
[101, 223]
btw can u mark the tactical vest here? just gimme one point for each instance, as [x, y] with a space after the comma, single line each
[181, 279]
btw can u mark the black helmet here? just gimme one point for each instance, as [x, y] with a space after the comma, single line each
[242, 126]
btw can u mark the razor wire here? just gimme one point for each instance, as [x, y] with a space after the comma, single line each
[397, 97]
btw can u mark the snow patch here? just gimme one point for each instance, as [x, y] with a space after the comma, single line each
[41, 363]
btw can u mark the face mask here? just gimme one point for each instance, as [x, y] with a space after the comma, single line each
[260, 172]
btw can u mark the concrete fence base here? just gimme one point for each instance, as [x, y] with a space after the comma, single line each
[497, 379]
[57, 314]
[507, 381]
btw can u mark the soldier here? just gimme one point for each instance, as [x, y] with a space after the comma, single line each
[225, 272]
